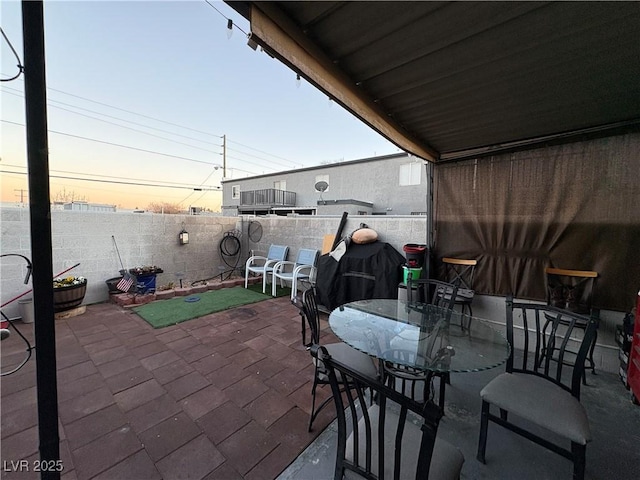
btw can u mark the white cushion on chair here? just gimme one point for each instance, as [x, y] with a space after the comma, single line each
[539, 401]
[446, 460]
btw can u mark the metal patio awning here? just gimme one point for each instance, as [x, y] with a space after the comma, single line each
[449, 80]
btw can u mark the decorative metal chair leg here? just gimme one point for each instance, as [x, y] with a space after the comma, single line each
[313, 405]
[593, 346]
[484, 426]
[579, 460]
[443, 382]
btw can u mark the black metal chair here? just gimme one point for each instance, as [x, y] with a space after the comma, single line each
[538, 389]
[350, 356]
[433, 292]
[393, 437]
[460, 272]
[573, 290]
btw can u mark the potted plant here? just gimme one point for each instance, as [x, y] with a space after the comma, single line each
[145, 277]
[68, 292]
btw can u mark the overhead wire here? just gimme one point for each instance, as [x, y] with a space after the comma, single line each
[261, 165]
[230, 23]
[116, 144]
[201, 185]
[261, 151]
[134, 113]
[138, 131]
[19, 65]
[225, 17]
[256, 156]
[117, 182]
[51, 103]
[203, 182]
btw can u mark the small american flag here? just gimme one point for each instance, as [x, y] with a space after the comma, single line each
[125, 284]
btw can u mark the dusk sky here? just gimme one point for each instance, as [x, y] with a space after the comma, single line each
[142, 92]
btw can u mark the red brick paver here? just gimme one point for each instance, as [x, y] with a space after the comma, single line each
[223, 396]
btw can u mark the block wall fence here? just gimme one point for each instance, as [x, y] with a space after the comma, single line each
[152, 239]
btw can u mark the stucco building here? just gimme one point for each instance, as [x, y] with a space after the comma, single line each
[394, 184]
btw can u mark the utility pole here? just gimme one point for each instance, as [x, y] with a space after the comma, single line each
[35, 95]
[224, 156]
[22, 192]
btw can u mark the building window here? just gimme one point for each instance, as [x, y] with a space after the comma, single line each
[280, 185]
[411, 174]
[322, 178]
[235, 191]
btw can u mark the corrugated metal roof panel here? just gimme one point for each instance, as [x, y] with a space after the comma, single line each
[463, 75]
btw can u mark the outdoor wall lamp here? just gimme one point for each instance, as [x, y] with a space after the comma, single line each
[183, 237]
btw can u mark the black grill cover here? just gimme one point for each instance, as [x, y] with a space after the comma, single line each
[365, 271]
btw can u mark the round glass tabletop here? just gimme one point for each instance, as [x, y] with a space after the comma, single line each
[421, 336]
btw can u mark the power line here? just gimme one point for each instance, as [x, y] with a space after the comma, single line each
[252, 163]
[51, 102]
[227, 18]
[19, 65]
[161, 121]
[203, 182]
[256, 156]
[266, 153]
[97, 180]
[117, 144]
[133, 113]
[139, 131]
[116, 177]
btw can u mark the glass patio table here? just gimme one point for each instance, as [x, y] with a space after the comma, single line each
[424, 337]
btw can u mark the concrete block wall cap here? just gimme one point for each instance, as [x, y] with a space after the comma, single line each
[183, 292]
[239, 281]
[199, 288]
[229, 283]
[254, 280]
[214, 286]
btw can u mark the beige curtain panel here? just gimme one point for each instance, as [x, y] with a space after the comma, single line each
[573, 206]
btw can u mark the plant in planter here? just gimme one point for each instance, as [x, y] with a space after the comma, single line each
[145, 270]
[145, 277]
[68, 292]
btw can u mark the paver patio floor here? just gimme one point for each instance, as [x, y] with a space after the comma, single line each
[222, 396]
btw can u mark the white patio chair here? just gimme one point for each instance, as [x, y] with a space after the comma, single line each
[304, 268]
[261, 265]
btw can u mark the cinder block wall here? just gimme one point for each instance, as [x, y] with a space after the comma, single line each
[152, 239]
[309, 231]
[86, 238]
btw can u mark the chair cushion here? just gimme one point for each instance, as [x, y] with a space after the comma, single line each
[446, 461]
[355, 359]
[539, 401]
[464, 294]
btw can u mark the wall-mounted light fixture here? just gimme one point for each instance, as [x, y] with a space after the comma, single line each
[252, 43]
[183, 236]
[229, 28]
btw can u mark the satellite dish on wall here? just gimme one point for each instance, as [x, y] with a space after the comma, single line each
[321, 186]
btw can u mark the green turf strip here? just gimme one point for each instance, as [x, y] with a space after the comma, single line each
[163, 313]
